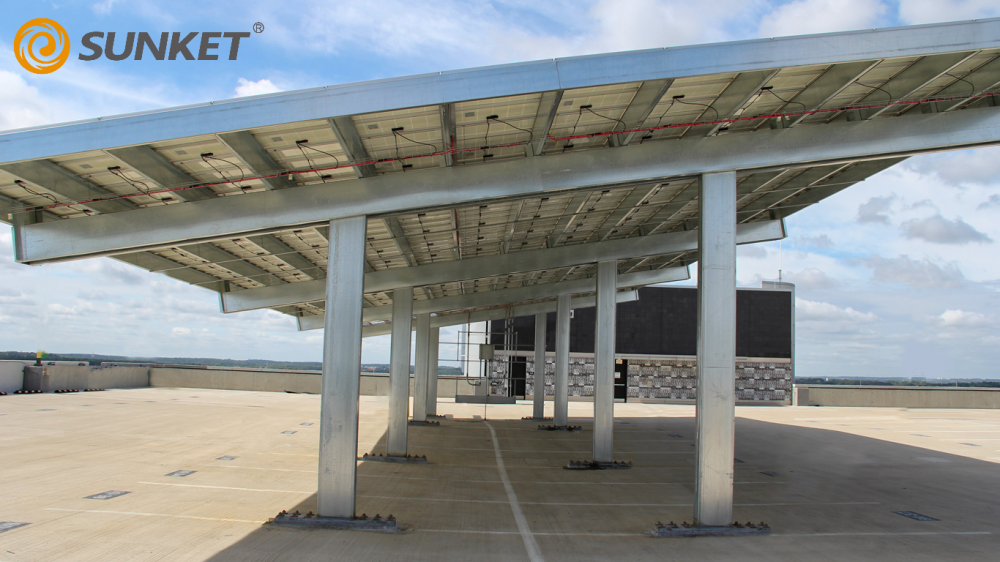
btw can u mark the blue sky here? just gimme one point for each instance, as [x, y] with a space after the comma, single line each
[897, 276]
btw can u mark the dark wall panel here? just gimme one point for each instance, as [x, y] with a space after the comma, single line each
[664, 321]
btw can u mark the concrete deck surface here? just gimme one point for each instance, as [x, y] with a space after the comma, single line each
[827, 480]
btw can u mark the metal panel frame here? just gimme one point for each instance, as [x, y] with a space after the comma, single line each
[273, 210]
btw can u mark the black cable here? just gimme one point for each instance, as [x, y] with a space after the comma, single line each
[973, 92]
[208, 156]
[24, 186]
[492, 118]
[769, 90]
[397, 133]
[875, 88]
[569, 142]
[680, 100]
[624, 126]
[120, 174]
[334, 156]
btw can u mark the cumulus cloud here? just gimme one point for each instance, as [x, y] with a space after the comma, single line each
[250, 88]
[815, 311]
[993, 201]
[940, 230]
[811, 278]
[931, 11]
[752, 251]
[820, 16]
[821, 242]
[980, 166]
[876, 210]
[923, 274]
[830, 320]
[961, 319]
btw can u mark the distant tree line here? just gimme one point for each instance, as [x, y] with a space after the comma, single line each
[92, 359]
[897, 382]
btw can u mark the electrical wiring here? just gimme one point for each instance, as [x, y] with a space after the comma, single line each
[302, 145]
[117, 172]
[554, 139]
[206, 157]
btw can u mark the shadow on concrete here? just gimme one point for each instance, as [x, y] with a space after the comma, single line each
[827, 494]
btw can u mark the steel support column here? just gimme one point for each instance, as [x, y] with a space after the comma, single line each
[604, 361]
[432, 371]
[539, 384]
[421, 367]
[716, 399]
[561, 398]
[338, 434]
[399, 370]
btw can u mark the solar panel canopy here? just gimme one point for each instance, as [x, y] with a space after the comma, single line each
[474, 165]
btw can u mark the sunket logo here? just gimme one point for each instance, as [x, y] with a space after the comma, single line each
[41, 46]
[159, 49]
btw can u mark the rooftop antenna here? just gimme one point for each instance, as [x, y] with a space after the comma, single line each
[779, 261]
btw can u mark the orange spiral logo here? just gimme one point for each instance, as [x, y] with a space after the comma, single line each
[41, 46]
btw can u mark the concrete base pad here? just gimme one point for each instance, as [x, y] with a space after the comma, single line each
[310, 521]
[672, 530]
[472, 399]
[597, 465]
[394, 458]
[424, 423]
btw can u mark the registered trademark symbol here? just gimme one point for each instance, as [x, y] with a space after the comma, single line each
[258, 27]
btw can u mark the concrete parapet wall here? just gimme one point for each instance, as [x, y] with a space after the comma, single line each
[12, 375]
[64, 377]
[372, 384]
[898, 397]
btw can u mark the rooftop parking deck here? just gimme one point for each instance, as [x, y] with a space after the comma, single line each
[827, 480]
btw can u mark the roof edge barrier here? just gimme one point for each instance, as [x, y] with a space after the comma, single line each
[478, 83]
[438, 187]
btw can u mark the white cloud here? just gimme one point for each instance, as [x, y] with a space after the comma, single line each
[940, 230]
[932, 11]
[876, 210]
[811, 311]
[961, 319]
[962, 168]
[819, 242]
[811, 278]
[993, 201]
[250, 88]
[920, 274]
[819, 16]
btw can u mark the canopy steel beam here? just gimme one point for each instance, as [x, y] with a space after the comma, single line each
[153, 165]
[448, 135]
[629, 205]
[487, 266]
[519, 294]
[434, 187]
[446, 320]
[352, 145]
[245, 146]
[643, 103]
[287, 254]
[915, 78]
[731, 102]
[237, 265]
[502, 80]
[60, 181]
[548, 106]
[987, 78]
[573, 209]
[838, 77]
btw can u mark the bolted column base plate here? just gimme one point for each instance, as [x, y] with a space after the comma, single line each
[597, 465]
[405, 459]
[673, 530]
[312, 521]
